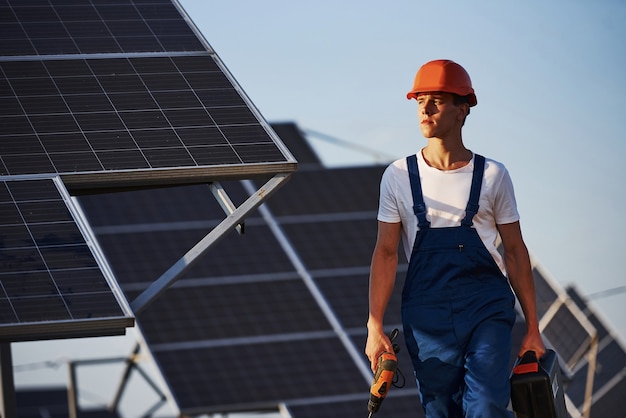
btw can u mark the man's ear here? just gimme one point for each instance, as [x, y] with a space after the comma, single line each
[463, 111]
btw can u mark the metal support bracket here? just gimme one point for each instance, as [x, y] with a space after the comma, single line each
[222, 198]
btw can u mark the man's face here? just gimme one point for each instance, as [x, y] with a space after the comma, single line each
[438, 115]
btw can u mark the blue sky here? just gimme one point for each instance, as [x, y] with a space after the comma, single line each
[549, 78]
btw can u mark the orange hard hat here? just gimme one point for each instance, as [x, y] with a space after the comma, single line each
[443, 75]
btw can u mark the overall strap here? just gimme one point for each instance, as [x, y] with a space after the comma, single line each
[419, 207]
[477, 181]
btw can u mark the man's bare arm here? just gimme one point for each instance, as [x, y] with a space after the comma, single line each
[521, 278]
[382, 279]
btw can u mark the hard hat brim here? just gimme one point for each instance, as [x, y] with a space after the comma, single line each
[472, 101]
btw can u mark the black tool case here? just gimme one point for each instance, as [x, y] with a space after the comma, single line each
[536, 387]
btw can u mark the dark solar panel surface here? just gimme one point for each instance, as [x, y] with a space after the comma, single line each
[314, 192]
[33, 27]
[611, 361]
[194, 204]
[327, 245]
[111, 115]
[566, 333]
[233, 309]
[611, 403]
[290, 369]
[545, 293]
[142, 267]
[51, 283]
[354, 288]
[581, 303]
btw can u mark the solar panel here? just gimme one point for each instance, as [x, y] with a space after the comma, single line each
[52, 283]
[123, 93]
[111, 122]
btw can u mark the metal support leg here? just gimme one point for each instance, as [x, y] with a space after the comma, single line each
[227, 205]
[130, 363]
[9, 407]
[72, 392]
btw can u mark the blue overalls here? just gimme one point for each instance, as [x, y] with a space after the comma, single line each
[457, 313]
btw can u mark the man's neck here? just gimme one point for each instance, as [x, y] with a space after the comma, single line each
[446, 155]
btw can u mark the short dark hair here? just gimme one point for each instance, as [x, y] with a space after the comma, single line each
[458, 100]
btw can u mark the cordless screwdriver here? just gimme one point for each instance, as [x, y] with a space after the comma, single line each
[383, 378]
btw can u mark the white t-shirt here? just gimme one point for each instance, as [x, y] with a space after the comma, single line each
[446, 194]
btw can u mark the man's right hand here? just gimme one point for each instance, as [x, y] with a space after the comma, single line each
[377, 343]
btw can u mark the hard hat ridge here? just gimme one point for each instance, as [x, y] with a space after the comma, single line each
[445, 76]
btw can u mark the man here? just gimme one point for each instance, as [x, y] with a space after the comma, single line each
[449, 206]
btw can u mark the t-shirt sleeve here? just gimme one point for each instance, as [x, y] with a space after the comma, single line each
[388, 204]
[505, 205]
